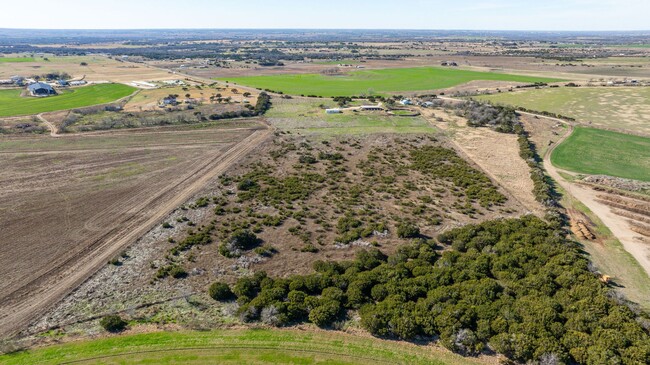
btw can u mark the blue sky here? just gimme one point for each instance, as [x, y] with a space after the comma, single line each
[337, 14]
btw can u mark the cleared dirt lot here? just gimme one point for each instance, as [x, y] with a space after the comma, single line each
[70, 204]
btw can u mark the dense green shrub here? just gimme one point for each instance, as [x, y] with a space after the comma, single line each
[516, 286]
[307, 159]
[220, 291]
[480, 114]
[177, 272]
[263, 103]
[324, 314]
[244, 239]
[113, 323]
[201, 237]
[407, 230]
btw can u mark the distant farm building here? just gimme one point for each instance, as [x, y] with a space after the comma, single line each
[41, 89]
[174, 82]
[333, 111]
[18, 80]
[371, 108]
[77, 83]
[406, 102]
[62, 83]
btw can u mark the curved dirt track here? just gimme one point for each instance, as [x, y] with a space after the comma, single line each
[19, 307]
[617, 224]
[50, 125]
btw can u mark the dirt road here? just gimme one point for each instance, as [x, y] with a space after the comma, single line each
[50, 125]
[619, 225]
[19, 307]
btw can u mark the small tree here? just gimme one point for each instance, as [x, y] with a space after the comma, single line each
[113, 323]
[177, 272]
[244, 239]
[325, 314]
[220, 291]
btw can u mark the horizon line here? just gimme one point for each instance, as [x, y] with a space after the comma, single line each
[341, 29]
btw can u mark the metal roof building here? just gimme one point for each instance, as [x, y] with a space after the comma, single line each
[41, 89]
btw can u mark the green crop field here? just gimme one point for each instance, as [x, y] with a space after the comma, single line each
[237, 347]
[16, 59]
[624, 108]
[368, 82]
[594, 151]
[13, 104]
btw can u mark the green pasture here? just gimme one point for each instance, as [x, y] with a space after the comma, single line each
[237, 347]
[13, 104]
[369, 82]
[595, 152]
[16, 59]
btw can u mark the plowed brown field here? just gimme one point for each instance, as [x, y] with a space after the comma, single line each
[68, 205]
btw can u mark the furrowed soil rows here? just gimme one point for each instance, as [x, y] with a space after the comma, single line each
[79, 205]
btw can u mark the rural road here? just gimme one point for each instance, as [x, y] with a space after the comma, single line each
[20, 308]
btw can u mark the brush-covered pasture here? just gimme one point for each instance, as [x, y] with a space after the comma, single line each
[260, 347]
[194, 111]
[294, 202]
[599, 152]
[91, 68]
[12, 103]
[620, 108]
[370, 82]
[311, 199]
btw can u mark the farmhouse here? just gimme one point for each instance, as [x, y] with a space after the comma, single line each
[168, 100]
[41, 89]
[333, 111]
